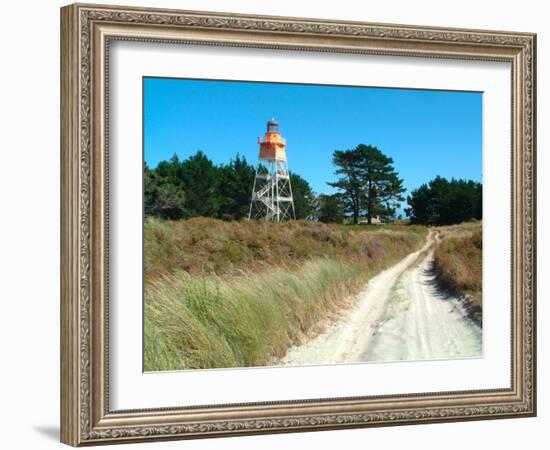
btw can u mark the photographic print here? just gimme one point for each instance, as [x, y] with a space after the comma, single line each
[295, 224]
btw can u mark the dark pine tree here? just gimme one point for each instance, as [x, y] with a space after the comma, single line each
[200, 178]
[368, 184]
[331, 209]
[444, 202]
[350, 183]
[235, 188]
[303, 197]
[162, 196]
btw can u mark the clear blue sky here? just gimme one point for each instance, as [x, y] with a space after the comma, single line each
[427, 133]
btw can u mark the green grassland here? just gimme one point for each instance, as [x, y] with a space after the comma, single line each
[239, 294]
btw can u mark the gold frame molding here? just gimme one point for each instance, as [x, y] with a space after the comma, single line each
[86, 31]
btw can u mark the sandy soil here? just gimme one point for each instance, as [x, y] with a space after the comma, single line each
[400, 315]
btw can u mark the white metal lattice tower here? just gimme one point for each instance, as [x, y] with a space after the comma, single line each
[272, 192]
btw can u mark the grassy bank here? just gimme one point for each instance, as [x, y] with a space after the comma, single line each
[203, 246]
[238, 294]
[458, 264]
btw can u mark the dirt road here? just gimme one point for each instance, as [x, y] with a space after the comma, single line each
[400, 315]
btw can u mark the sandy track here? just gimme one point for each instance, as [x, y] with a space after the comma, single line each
[400, 315]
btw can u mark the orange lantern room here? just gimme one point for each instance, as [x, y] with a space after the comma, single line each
[272, 146]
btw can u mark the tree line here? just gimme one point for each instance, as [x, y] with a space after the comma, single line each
[181, 189]
[367, 186]
[444, 202]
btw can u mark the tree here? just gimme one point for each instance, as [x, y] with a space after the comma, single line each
[303, 197]
[350, 184]
[331, 209]
[199, 178]
[235, 188]
[421, 207]
[369, 184]
[444, 202]
[162, 198]
[384, 188]
[479, 204]
[170, 171]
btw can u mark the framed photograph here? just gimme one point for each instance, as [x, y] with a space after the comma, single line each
[275, 224]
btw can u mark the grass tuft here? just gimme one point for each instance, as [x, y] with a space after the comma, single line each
[458, 264]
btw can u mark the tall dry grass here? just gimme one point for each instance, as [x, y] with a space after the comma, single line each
[204, 245]
[207, 322]
[239, 294]
[458, 264]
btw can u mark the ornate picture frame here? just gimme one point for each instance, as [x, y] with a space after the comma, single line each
[87, 31]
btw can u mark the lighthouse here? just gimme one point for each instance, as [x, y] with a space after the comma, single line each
[272, 192]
